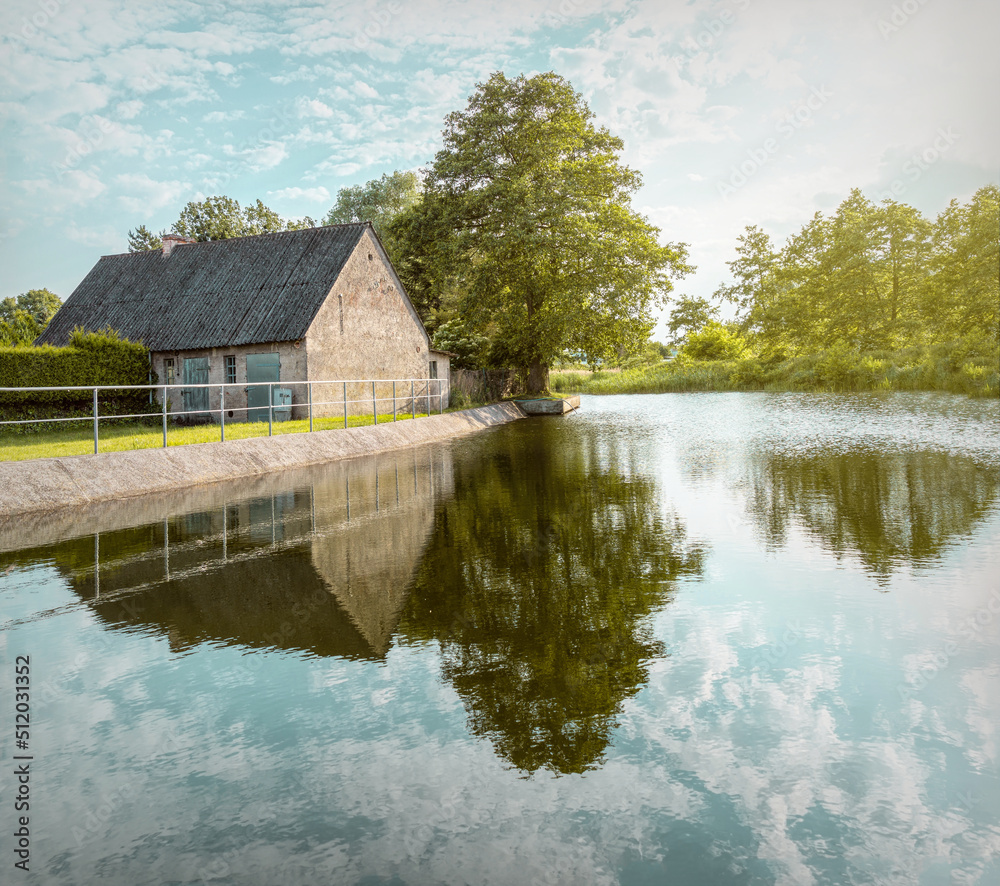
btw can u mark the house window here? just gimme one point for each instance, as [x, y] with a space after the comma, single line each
[168, 370]
[231, 369]
[434, 369]
[340, 303]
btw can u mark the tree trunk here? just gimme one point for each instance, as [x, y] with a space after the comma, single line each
[538, 377]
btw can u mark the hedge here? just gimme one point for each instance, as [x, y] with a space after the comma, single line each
[91, 358]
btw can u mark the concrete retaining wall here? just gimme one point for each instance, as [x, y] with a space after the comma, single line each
[549, 405]
[52, 484]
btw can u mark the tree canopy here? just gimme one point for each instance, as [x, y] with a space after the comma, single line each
[689, 314]
[41, 304]
[527, 208]
[22, 318]
[378, 201]
[218, 218]
[872, 276]
[468, 347]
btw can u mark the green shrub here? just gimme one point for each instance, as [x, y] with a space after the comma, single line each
[748, 373]
[970, 366]
[804, 379]
[714, 342]
[91, 358]
[840, 368]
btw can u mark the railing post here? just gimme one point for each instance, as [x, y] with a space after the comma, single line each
[95, 421]
[345, 404]
[374, 404]
[270, 408]
[428, 389]
[393, 401]
[413, 400]
[164, 416]
[440, 397]
[310, 386]
[222, 410]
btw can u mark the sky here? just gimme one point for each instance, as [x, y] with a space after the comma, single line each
[736, 112]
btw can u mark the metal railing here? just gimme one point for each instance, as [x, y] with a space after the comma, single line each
[405, 392]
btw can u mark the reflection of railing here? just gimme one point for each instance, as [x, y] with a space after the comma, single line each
[407, 395]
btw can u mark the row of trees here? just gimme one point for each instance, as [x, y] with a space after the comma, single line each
[871, 276]
[519, 244]
[218, 218]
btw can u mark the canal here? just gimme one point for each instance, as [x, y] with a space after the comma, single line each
[691, 639]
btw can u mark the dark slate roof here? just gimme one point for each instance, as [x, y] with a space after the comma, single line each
[248, 290]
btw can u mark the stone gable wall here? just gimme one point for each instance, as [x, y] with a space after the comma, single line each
[367, 329]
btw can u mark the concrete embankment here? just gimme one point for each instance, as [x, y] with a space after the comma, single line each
[52, 484]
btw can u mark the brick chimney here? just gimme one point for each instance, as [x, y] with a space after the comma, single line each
[172, 240]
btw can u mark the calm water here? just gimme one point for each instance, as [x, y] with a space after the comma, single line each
[686, 639]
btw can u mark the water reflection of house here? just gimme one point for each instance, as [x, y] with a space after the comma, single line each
[324, 568]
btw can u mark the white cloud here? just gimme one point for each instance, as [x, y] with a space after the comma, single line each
[309, 195]
[100, 238]
[224, 116]
[130, 109]
[304, 74]
[143, 195]
[689, 87]
[72, 186]
[266, 156]
[313, 108]
[340, 169]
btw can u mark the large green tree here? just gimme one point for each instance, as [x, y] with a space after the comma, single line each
[904, 244]
[533, 211]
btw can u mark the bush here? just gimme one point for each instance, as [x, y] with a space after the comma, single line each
[714, 342]
[748, 374]
[840, 368]
[91, 358]
[966, 367]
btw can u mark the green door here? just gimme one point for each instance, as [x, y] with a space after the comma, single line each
[260, 367]
[196, 399]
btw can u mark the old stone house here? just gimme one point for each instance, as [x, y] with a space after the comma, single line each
[320, 305]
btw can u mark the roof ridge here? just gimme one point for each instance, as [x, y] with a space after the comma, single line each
[249, 237]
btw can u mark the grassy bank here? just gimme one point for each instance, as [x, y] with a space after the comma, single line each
[954, 368]
[77, 438]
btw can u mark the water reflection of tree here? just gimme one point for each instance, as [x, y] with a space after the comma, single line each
[887, 508]
[536, 583]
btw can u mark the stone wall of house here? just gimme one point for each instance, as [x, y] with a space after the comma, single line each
[367, 329]
[293, 369]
